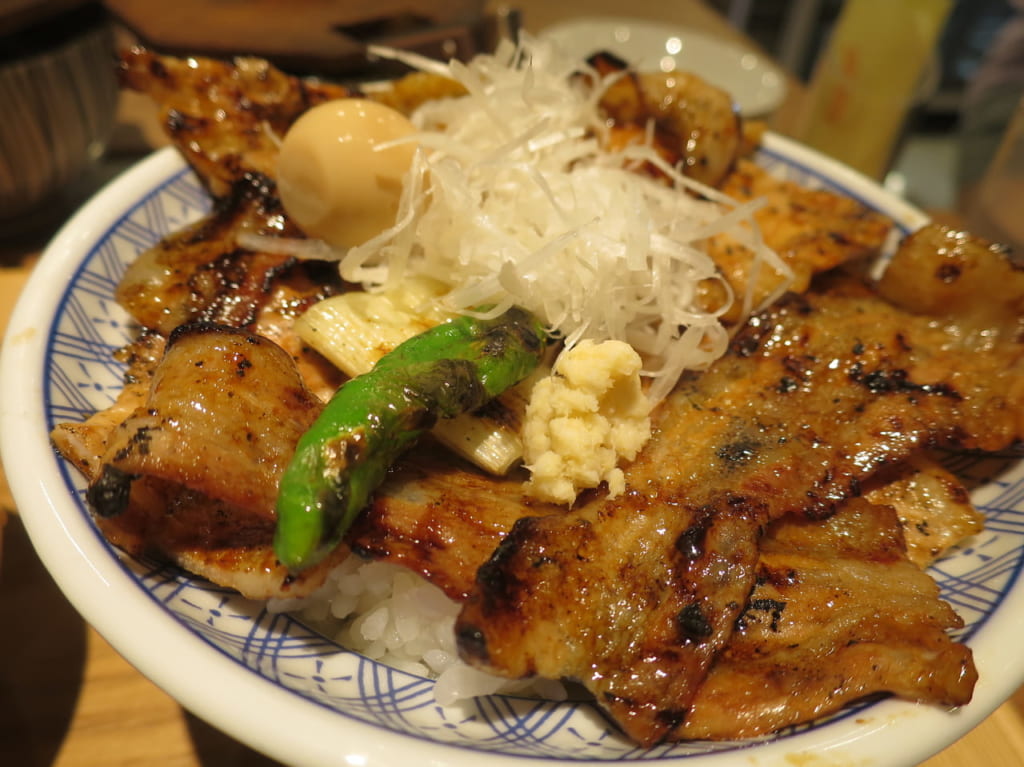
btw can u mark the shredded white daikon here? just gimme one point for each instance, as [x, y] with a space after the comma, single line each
[512, 199]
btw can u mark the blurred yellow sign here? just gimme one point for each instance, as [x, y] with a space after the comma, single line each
[867, 78]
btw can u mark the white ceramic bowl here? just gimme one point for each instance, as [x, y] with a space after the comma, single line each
[278, 686]
[59, 102]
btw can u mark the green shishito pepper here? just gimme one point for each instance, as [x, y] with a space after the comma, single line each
[453, 368]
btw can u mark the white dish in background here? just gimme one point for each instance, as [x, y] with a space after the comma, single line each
[272, 683]
[757, 85]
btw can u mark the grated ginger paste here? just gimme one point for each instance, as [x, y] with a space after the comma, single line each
[583, 420]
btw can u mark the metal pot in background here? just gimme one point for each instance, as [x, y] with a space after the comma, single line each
[59, 95]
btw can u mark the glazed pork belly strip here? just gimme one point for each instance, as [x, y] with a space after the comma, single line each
[441, 518]
[636, 596]
[226, 118]
[838, 613]
[933, 505]
[190, 474]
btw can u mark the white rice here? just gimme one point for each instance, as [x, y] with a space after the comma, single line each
[392, 615]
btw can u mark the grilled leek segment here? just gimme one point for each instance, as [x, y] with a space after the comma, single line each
[354, 330]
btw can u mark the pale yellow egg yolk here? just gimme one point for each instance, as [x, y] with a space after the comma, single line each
[333, 180]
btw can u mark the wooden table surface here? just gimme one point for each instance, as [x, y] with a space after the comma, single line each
[67, 698]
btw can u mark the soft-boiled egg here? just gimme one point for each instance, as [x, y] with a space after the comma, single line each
[339, 176]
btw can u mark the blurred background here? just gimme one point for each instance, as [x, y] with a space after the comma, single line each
[927, 163]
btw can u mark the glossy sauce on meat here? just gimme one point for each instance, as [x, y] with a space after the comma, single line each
[837, 613]
[815, 395]
[191, 473]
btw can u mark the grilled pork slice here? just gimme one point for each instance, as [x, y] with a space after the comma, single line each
[838, 613]
[812, 230]
[942, 272]
[696, 124]
[191, 474]
[636, 596]
[933, 505]
[202, 273]
[441, 518]
[83, 444]
[226, 118]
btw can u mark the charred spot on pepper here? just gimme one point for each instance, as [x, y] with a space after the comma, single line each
[334, 501]
[342, 452]
[454, 386]
[516, 328]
